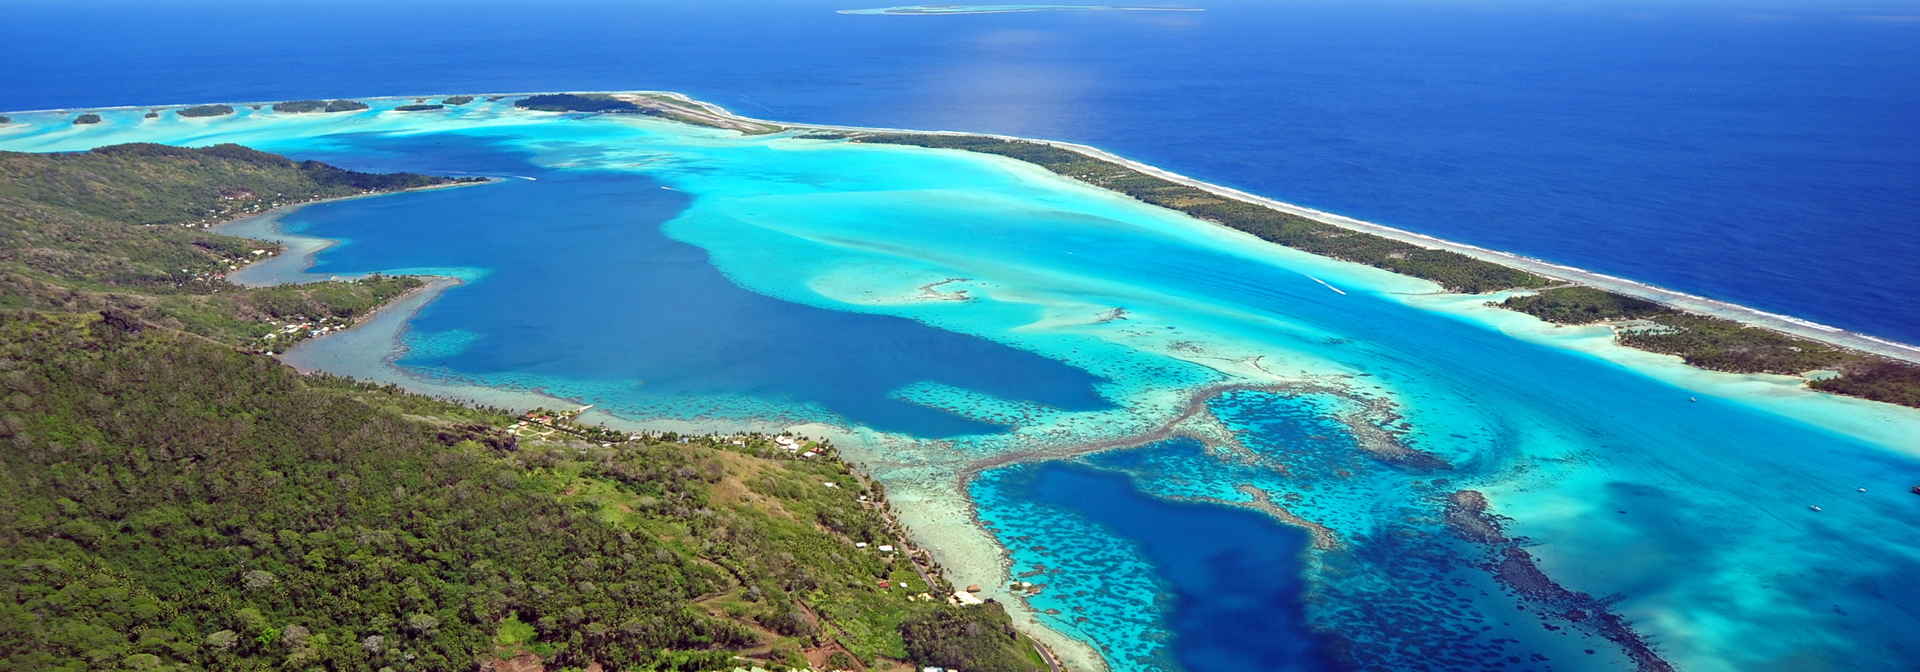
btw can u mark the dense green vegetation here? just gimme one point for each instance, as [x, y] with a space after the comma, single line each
[457, 100]
[206, 111]
[176, 503]
[151, 115]
[418, 108]
[303, 106]
[1882, 380]
[178, 500]
[1583, 305]
[123, 227]
[4, 119]
[148, 184]
[1725, 345]
[575, 102]
[952, 638]
[1456, 272]
[88, 118]
[266, 319]
[655, 105]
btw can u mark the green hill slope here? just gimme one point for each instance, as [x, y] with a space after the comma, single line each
[126, 227]
[178, 503]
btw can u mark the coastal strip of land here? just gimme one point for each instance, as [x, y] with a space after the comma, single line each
[1721, 336]
[669, 106]
[1710, 335]
[1454, 271]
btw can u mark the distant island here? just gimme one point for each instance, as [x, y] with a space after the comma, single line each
[419, 107]
[206, 111]
[457, 100]
[683, 110]
[88, 118]
[942, 10]
[575, 102]
[303, 106]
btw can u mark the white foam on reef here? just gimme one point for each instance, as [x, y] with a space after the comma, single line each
[1163, 307]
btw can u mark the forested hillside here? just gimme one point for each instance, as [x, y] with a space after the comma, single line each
[178, 503]
[126, 227]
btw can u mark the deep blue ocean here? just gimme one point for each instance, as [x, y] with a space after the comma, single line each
[1229, 606]
[1765, 153]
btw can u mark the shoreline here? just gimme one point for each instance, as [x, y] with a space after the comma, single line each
[384, 329]
[1683, 301]
[418, 299]
[1694, 303]
[1687, 302]
[262, 225]
[1786, 324]
[301, 250]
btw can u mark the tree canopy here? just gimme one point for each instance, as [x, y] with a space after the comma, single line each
[575, 102]
[179, 502]
[206, 111]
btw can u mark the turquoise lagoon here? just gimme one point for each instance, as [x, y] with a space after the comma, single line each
[1004, 346]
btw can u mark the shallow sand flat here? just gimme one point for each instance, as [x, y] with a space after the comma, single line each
[1558, 426]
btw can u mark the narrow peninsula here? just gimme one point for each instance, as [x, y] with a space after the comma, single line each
[669, 106]
[1704, 341]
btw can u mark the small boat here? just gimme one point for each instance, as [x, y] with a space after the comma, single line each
[1693, 399]
[1816, 508]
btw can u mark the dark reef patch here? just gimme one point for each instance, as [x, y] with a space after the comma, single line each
[1468, 517]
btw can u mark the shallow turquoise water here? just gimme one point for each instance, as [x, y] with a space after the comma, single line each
[1691, 517]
